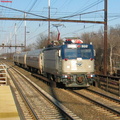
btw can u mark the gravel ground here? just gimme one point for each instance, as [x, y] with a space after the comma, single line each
[81, 107]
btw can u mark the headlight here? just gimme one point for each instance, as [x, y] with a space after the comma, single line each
[90, 75]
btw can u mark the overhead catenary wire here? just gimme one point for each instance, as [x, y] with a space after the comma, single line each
[62, 14]
[28, 12]
[88, 7]
[91, 5]
[81, 14]
[24, 12]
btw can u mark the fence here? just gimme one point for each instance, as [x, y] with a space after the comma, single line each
[109, 83]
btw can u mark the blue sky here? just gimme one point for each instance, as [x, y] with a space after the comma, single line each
[59, 8]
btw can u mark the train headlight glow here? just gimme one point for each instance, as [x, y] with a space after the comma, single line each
[90, 75]
[68, 66]
[64, 76]
[89, 66]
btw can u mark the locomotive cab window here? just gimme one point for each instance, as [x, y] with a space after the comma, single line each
[86, 53]
[71, 53]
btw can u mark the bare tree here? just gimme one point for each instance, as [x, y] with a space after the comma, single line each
[114, 46]
[42, 40]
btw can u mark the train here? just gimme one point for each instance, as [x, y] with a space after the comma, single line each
[69, 65]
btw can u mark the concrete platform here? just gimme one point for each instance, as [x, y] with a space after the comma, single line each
[8, 110]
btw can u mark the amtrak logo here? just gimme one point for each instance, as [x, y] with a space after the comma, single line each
[79, 63]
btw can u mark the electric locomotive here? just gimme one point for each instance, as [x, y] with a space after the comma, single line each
[71, 65]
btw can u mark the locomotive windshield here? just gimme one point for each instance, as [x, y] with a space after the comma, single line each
[85, 53]
[71, 53]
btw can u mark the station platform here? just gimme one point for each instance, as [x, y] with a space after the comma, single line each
[8, 110]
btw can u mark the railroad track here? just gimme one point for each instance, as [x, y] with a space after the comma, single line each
[80, 106]
[110, 100]
[104, 95]
[108, 103]
[41, 105]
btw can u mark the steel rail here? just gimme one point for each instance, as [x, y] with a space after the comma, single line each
[97, 103]
[24, 98]
[106, 96]
[69, 115]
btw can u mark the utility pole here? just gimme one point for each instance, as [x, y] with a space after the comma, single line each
[15, 38]
[48, 21]
[105, 36]
[25, 31]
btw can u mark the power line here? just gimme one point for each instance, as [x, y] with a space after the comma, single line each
[88, 7]
[23, 11]
[81, 14]
[32, 5]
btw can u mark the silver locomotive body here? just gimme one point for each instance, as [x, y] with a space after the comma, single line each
[71, 65]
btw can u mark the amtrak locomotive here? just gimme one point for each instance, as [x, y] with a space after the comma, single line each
[71, 65]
